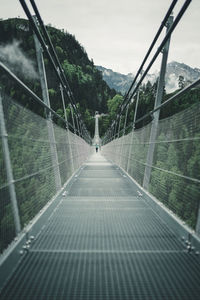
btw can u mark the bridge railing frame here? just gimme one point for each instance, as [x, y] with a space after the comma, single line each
[113, 134]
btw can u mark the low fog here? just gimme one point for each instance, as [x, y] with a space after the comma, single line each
[14, 58]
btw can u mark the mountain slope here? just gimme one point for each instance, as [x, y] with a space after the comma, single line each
[175, 69]
[115, 80]
[17, 49]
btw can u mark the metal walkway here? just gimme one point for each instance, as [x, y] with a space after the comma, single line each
[103, 241]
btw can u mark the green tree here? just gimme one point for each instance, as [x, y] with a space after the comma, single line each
[113, 105]
[181, 82]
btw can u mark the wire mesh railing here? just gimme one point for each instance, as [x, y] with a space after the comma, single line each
[159, 147]
[35, 173]
[175, 178]
[39, 149]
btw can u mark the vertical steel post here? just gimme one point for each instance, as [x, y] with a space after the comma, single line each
[124, 129]
[130, 147]
[9, 172]
[113, 133]
[158, 99]
[133, 128]
[67, 127]
[78, 133]
[118, 150]
[197, 229]
[72, 113]
[96, 140]
[81, 129]
[96, 131]
[45, 96]
[108, 135]
[136, 106]
[115, 129]
[78, 129]
[125, 121]
[119, 126]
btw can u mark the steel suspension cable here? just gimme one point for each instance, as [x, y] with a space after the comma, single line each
[51, 47]
[163, 23]
[30, 92]
[61, 78]
[164, 41]
[171, 29]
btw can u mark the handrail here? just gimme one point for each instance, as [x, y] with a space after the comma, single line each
[58, 69]
[174, 97]
[30, 92]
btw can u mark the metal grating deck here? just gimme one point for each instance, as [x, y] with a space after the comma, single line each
[104, 242]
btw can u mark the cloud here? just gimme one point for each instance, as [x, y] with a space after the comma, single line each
[14, 58]
[105, 28]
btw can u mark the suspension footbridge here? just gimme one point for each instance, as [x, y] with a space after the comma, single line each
[120, 223]
[105, 243]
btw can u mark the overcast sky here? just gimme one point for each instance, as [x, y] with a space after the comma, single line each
[117, 33]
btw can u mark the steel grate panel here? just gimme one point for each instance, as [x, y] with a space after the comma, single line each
[99, 174]
[103, 241]
[116, 228]
[101, 187]
[101, 182]
[101, 192]
[89, 276]
[100, 167]
[106, 242]
[103, 203]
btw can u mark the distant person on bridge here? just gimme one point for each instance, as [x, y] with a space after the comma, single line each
[96, 148]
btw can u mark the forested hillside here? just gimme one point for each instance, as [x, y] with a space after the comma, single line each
[175, 169]
[146, 104]
[90, 91]
[17, 51]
